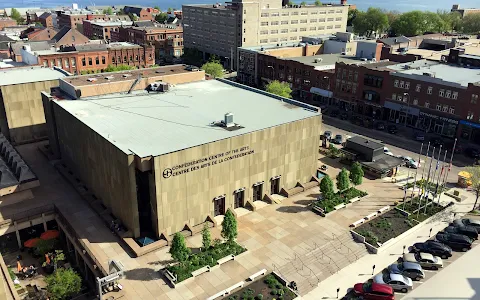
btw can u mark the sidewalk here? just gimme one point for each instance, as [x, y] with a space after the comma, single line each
[361, 270]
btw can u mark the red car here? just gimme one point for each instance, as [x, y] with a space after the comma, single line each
[374, 291]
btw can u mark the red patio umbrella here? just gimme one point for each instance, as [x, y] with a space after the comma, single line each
[31, 243]
[50, 234]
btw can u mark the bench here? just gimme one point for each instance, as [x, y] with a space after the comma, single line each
[340, 206]
[235, 286]
[172, 278]
[358, 222]
[353, 200]
[201, 271]
[383, 209]
[371, 216]
[225, 259]
[218, 295]
[261, 272]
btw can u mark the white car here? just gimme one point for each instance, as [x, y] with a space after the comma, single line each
[396, 281]
[410, 162]
[425, 260]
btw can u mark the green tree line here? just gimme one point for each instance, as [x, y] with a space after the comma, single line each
[411, 23]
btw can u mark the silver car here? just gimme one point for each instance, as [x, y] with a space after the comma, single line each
[407, 269]
[396, 281]
[425, 260]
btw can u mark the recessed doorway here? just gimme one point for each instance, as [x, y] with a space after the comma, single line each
[239, 197]
[258, 191]
[219, 206]
[275, 186]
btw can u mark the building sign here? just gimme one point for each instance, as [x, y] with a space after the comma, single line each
[435, 117]
[471, 124]
[402, 108]
[207, 161]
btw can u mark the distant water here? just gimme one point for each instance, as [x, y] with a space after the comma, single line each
[400, 5]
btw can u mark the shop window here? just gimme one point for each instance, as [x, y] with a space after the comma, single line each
[97, 60]
[418, 88]
[66, 63]
[452, 110]
[439, 107]
[90, 61]
[45, 63]
[427, 104]
[474, 99]
[415, 101]
[113, 59]
[441, 93]
[73, 63]
[355, 76]
[103, 60]
[83, 62]
[429, 90]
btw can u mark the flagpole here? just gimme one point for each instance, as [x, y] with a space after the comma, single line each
[423, 173]
[432, 158]
[416, 172]
[433, 178]
[451, 159]
[440, 177]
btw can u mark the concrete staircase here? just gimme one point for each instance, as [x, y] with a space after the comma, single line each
[309, 269]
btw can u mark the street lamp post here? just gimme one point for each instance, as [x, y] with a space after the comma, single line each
[408, 107]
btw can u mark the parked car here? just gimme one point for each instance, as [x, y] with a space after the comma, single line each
[338, 139]
[410, 162]
[472, 152]
[374, 291]
[425, 260]
[328, 135]
[436, 142]
[419, 136]
[385, 150]
[469, 231]
[380, 126]
[396, 281]
[392, 129]
[455, 241]
[408, 269]
[467, 222]
[389, 153]
[432, 247]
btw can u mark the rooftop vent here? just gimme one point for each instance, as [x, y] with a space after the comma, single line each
[317, 60]
[229, 120]
[91, 79]
[109, 77]
[158, 87]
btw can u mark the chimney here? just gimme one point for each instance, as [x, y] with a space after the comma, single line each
[229, 120]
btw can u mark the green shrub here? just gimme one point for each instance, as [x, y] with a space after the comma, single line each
[456, 193]
[273, 292]
[259, 297]
[270, 279]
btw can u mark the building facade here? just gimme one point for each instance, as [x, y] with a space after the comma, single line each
[7, 22]
[142, 13]
[167, 39]
[220, 30]
[46, 19]
[99, 30]
[161, 191]
[464, 11]
[74, 19]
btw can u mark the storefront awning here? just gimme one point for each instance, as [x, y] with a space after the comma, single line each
[321, 92]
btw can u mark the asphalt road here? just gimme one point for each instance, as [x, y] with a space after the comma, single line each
[396, 144]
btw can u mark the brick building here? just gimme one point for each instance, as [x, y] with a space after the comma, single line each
[79, 59]
[46, 19]
[167, 39]
[142, 13]
[7, 22]
[39, 34]
[69, 36]
[102, 30]
[72, 19]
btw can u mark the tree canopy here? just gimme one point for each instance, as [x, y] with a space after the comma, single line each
[281, 89]
[303, 3]
[318, 3]
[475, 181]
[229, 227]
[178, 249]
[63, 284]
[417, 22]
[161, 17]
[471, 23]
[343, 182]
[15, 15]
[373, 20]
[213, 68]
[206, 237]
[326, 186]
[352, 14]
[356, 173]
[108, 11]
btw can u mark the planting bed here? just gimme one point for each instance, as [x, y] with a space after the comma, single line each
[385, 227]
[266, 288]
[412, 207]
[208, 257]
[338, 198]
[422, 183]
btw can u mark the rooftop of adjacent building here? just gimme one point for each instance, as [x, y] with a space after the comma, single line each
[229, 6]
[435, 72]
[109, 23]
[471, 46]
[186, 114]
[29, 75]
[327, 61]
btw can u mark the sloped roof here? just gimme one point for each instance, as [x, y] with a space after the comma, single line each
[45, 15]
[132, 9]
[4, 38]
[69, 32]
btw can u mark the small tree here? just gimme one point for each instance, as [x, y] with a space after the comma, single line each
[206, 237]
[179, 250]
[326, 187]
[63, 284]
[213, 68]
[161, 17]
[16, 16]
[318, 3]
[356, 173]
[281, 89]
[342, 180]
[303, 3]
[229, 227]
[475, 180]
[108, 11]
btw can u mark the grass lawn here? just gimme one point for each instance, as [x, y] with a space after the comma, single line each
[338, 198]
[207, 257]
[267, 288]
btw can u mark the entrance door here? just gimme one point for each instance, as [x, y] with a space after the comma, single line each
[438, 128]
[275, 187]
[238, 201]
[219, 206]
[257, 192]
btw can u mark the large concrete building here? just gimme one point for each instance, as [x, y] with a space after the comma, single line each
[162, 162]
[221, 29]
[21, 112]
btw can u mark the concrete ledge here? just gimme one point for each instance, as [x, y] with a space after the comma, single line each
[259, 273]
[235, 286]
[340, 206]
[353, 200]
[370, 216]
[201, 271]
[384, 209]
[358, 222]
[139, 251]
[218, 295]
[225, 259]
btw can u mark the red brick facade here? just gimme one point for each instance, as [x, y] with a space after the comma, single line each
[7, 22]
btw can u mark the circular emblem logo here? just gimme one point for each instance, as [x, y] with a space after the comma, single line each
[167, 173]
